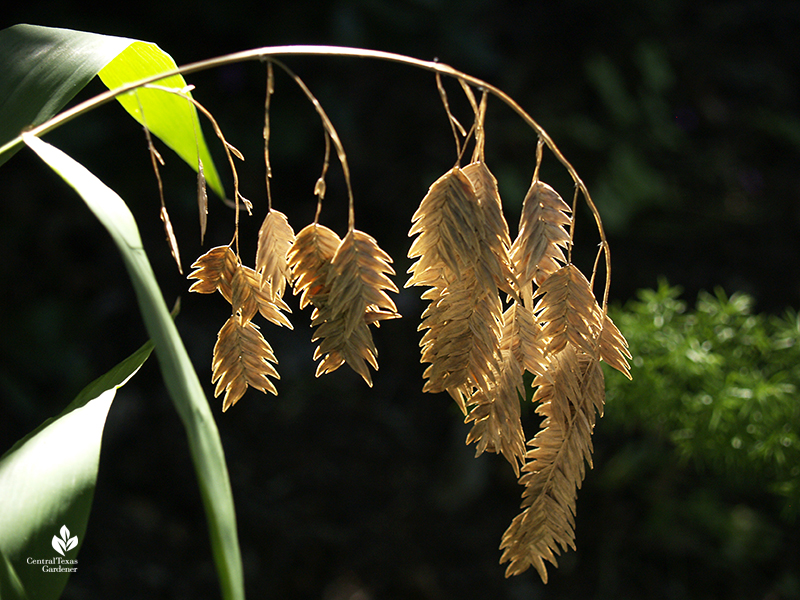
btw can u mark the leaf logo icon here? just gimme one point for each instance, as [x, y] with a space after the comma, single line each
[65, 542]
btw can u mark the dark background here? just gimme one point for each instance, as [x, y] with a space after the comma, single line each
[682, 117]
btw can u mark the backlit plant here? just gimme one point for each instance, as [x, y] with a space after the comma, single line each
[497, 306]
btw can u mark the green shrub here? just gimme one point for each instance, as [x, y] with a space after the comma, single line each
[718, 381]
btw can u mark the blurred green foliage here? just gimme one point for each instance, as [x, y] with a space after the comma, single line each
[717, 381]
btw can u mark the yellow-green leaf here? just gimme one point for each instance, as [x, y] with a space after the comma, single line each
[171, 118]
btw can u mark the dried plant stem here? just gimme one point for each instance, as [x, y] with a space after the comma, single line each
[571, 243]
[455, 126]
[156, 159]
[320, 187]
[539, 146]
[330, 130]
[480, 134]
[230, 151]
[267, 165]
[268, 53]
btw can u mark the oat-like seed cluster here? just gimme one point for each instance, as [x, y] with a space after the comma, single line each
[496, 309]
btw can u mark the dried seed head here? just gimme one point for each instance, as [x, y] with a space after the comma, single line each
[214, 271]
[275, 238]
[242, 359]
[542, 238]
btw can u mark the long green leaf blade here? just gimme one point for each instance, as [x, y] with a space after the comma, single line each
[178, 372]
[47, 481]
[171, 118]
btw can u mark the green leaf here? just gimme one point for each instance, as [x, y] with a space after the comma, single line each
[170, 117]
[10, 584]
[179, 374]
[47, 482]
[42, 68]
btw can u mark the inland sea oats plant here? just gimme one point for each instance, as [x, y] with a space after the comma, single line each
[498, 306]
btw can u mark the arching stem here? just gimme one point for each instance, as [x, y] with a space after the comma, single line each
[303, 50]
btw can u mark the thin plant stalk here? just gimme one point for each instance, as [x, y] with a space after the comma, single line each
[266, 53]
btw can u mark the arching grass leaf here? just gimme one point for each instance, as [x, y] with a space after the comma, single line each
[179, 375]
[47, 483]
